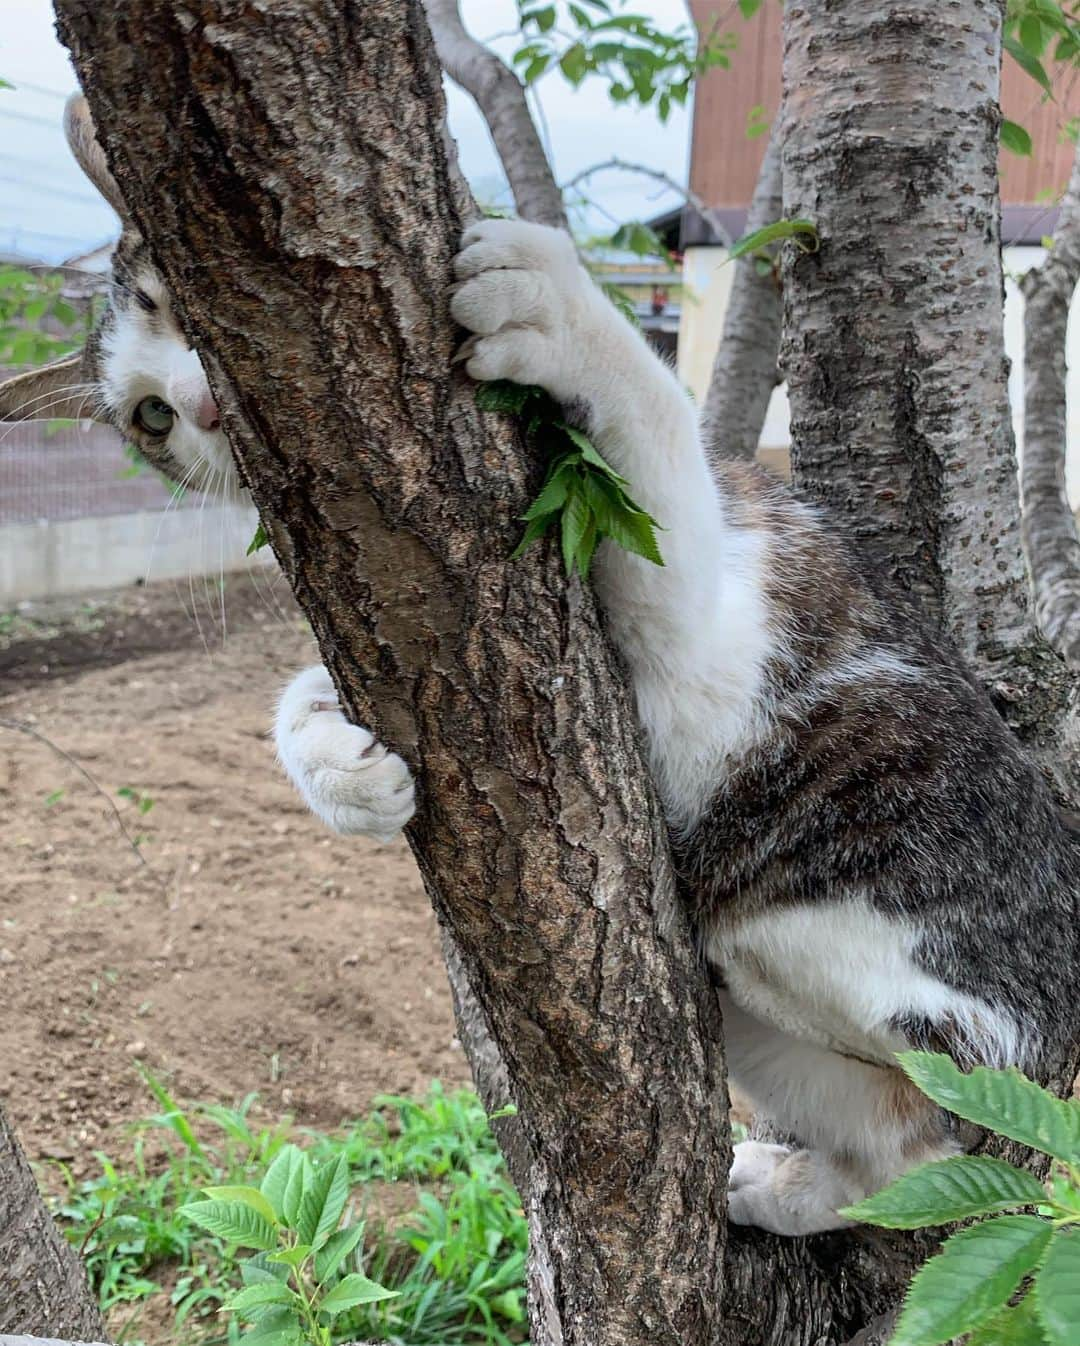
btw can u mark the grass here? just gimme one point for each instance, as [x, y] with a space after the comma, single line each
[455, 1253]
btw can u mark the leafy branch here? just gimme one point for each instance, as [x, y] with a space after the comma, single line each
[581, 492]
[296, 1285]
[971, 1285]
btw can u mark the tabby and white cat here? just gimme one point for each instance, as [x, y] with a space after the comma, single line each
[873, 862]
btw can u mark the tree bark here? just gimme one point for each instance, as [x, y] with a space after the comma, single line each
[1049, 528]
[308, 228]
[893, 345]
[745, 371]
[43, 1288]
[500, 96]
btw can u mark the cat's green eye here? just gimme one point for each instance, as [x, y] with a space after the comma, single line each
[154, 416]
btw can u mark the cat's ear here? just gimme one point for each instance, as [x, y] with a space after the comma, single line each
[60, 391]
[82, 138]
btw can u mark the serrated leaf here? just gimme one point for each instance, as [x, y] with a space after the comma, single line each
[258, 1296]
[260, 540]
[258, 1270]
[1057, 1289]
[291, 1257]
[586, 547]
[247, 1196]
[1001, 1100]
[534, 531]
[277, 1327]
[589, 452]
[276, 1178]
[949, 1190]
[1015, 138]
[323, 1202]
[334, 1251]
[233, 1222]
[351, 1291]
[1013, 1326]
[972, 1277]
[804, 232]
[502, 395]
[623, 522]
[576, 517]
[551, 498]
[301, 1177]
[1029, 64]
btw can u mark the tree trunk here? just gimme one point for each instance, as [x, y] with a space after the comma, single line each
[43, 1288]
[318, 292]
[893, 345]
[744, 372]
[500, 96]
[1049, 529]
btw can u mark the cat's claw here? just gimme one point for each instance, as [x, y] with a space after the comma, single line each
[347, 778]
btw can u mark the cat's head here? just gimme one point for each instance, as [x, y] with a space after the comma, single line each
[137, 371]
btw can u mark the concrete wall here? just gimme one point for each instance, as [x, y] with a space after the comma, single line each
[72, 556]
[707, 285]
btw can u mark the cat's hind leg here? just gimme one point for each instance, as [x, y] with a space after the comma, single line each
[348, 779]
[859, 1126]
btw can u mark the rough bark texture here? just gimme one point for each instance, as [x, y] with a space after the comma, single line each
[43, 1287]
[1049, 529]
[745, 370]
[500, 96]
[893, 345]
[309, 225]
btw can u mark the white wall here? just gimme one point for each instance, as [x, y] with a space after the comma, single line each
[707, 285]
[72, 556]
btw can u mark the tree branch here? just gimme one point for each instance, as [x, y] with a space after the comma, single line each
[501, 99]
[1049, 528]
[623, 165]
[745, 371]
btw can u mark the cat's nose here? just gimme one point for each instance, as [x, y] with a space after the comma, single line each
[206, 415]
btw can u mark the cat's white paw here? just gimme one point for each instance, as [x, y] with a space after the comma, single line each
[347, 778]
[531, 307]
[792, 1192]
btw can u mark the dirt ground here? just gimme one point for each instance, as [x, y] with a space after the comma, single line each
[248, 949]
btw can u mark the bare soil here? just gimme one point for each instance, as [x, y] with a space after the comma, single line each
[238, 946]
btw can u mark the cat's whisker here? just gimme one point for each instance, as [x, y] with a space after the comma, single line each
[171, 503]
[57, 395]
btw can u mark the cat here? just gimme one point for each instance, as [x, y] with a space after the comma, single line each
[871, 861]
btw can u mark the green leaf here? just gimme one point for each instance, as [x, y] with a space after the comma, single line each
[260, 540]
[300, 1180]
[295, 1256]
[535, 530]
[276, 1180]
[574, 63]
[974, 1275]
[586, 547]
[334, 1251]
[748, 8]
[351, 1291]
[1032, 37]
[552, 497]
[257, 1296]
[619, 519]
[1029, 64]
[1015, 138]
[259, 1270]
[585, 446]
[247, 1196]
[949, 1190]
[277, 1327]
[1057, 1289]
[502, 395]
[543, 18]
[1002, 1100]
[323, 1202]
[779, 230]
[576, 517]
[233, 1222]
[1013, 1326]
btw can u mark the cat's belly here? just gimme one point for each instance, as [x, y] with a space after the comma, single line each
[844, 977]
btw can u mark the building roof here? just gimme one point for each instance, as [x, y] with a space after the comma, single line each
[724, 161]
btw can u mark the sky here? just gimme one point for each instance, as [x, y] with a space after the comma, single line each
[49, 210]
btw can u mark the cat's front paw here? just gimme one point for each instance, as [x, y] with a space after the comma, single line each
[787, 1191]
[532, 309]
[347, 778]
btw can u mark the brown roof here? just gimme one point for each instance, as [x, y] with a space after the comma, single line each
[724, 162]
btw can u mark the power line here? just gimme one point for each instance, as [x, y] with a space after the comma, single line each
[39, 88]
